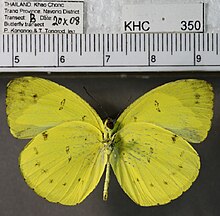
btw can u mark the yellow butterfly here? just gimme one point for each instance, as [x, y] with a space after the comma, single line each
[147, 148]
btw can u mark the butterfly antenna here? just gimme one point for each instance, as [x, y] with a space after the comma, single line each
[98, 104]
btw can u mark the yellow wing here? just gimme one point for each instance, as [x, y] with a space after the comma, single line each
[153, 165]
[183, 107]
[65, 163]
[35, 104]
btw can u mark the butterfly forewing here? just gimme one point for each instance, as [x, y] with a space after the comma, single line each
[184, 107]
[35, 104]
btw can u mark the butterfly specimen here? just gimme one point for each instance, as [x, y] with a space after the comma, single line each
[147, 148]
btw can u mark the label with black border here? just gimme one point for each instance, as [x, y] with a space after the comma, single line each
[168, 17]
[42, 16]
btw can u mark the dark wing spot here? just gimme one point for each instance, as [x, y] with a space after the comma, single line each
[69, 158]
[37, 163]
[44, 171]
[150, 154]
[45, 135]
[85, 139]
[180, 166]
[151, 185]
[83, 118]
[197, 98]
[79, 179]
[64, 184]
[62, 103]
[67, 149]
[158, 109]
[35, 96]
[51, 181]
[165, 182]
[174, 138]
[135, 118]
[137, 180]
[157, 104]
[36, 151]
[132, 141]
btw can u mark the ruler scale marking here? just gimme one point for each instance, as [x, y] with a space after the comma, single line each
[158, 42]
[80, 43]
[58, 50]
[26, 43]
[8, 39]
[208, 42]
[76, 42]
[184, 50]
[35, 44]
[94, 40]
[90, 45]
[171, 43]
[2, 44]
[48, 44]
[203, 42]
[71, 42]
[149, 53]
[67, 43]
[145, 44]
[212, 42]
[12, 53]
[194, 49]
[99, 43]
[126, 44]
[85, 41]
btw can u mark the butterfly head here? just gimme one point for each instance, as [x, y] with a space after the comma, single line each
[109, 123]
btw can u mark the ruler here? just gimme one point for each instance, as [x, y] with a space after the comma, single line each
[110, 52]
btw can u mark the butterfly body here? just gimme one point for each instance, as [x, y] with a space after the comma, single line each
[147, 148]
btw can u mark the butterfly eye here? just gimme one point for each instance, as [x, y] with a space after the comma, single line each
[110, 123]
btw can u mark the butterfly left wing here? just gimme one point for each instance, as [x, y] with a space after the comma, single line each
[65, 163]
[153, 165]
[35, 104]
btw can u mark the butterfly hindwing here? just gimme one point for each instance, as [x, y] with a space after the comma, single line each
[65, 163]
[183, 107]
[152, 164]
[35, 104]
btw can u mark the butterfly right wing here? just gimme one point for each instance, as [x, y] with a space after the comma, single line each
[36, 104]
[153, 165]
[65, 163]
[184, 107]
